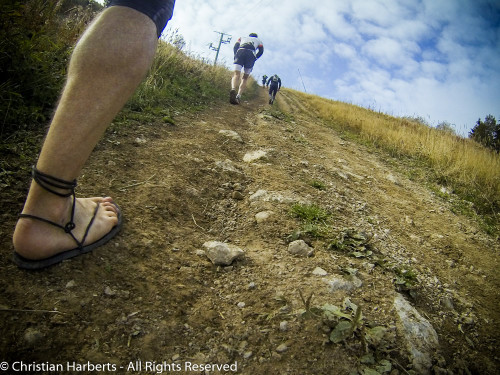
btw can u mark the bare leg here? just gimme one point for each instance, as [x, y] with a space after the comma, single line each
[107, 65]
[235, 81]
[243, 84]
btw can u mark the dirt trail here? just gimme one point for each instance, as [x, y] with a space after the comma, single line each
[151, 294]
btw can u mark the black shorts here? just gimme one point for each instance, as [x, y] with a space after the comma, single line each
[245, 58]
[273, 89]
[160, 11]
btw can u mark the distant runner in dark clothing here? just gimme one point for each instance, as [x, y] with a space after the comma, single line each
[264, 80]
[246, 51]
[274, 84]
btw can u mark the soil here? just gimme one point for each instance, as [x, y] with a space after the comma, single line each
[150, 301]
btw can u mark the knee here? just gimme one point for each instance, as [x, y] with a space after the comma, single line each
[245, 76]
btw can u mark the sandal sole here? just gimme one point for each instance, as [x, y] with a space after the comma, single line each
[38, 264]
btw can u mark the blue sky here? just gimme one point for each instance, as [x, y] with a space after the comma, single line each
[436, 59]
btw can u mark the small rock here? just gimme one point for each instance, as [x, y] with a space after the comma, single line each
[140, 140]
[318, 271]
[284, 325]
[241, 305]
[237, 195]
[231, 134]
[222, 254]
[247, 355]
[258, 195]
[109, 292]
[251, 285]
[227, 165]
[282, 348]
[254, 155]
[300, 248]
[393, 179]
[447, 302]
[339, 283]
[262, 216]
[70, 284]
[32, 336]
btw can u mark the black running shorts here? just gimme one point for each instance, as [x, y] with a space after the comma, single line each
[160, 11]
[245, 58]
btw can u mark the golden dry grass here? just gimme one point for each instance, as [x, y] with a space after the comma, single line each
[461, 163]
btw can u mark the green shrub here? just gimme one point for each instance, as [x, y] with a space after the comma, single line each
[36, 37]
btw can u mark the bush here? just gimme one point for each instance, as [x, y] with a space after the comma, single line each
[36, 37]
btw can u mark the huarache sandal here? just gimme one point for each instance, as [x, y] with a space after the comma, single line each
[50, 184]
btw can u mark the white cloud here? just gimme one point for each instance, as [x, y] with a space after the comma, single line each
[435, 59]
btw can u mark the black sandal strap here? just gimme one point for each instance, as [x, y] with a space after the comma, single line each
[50, 183]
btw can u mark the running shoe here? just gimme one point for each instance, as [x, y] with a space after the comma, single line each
[233, 97]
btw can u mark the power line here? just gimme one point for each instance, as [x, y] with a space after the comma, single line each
[221, 41]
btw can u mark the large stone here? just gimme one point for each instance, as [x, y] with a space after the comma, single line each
[254, 155]
[300, 248]
[221, 253]
[421, 338]
[231, 134]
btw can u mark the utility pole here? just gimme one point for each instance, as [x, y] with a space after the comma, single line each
[302, 81]
[221, 41]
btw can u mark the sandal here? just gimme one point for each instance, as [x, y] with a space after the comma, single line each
[64, 189]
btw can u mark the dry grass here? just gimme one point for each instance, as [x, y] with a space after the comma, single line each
[460, 163]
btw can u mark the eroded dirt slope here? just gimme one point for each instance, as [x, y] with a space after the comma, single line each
[151, 294]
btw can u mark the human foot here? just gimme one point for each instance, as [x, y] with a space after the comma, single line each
[36, 239]
[39, 244]
[55, 225]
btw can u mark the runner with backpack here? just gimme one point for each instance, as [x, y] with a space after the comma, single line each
[274, 84]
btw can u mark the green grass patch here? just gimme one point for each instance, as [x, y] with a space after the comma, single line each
[309, 213]
[317, 184]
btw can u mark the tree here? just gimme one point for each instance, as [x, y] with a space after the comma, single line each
[446, 127]
[487, 133]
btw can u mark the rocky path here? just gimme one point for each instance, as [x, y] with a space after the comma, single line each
[402, 262]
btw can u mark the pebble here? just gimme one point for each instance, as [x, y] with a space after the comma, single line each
[109, 292]
[241, 304]
[237, 195]
[318, 271]
[284, 326]
[300, 248]
[262, 216]
[71, 284]
[282, 348]
[32, 336]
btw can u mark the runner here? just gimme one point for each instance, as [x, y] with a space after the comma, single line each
[264, 80]
[246, 51]
[274, 84]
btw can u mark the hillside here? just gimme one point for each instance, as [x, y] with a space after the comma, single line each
[151, 294]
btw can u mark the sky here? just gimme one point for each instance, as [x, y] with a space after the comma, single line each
[434, 59]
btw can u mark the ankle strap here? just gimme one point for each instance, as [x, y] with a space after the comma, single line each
[50, 183]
